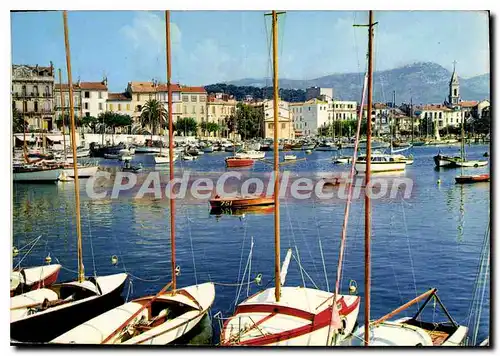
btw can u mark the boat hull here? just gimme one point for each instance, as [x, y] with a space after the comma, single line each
[239, 162]
[381, 166]
[33, 278]
[45, 326]
[472, 179]
[238, 202]
[301, 318]
[83, 172]
[37, 176]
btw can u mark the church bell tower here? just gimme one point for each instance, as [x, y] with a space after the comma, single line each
[454, 94]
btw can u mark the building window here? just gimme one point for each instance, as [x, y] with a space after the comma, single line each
[203, 99]
[23, 91]
[440, 115]
[35, 90]
[100, 106]
[100, 95]
[138, 97]
[202, 109]
[194, 98]
[185, 109]
[138, 108]
[47, 90]
[35, 105]
[111, 107]
[13, 105]
[270, 126]
[128, 107]
[194, 110]
[87, 114]
[213, 110]
[283, 126]
[86, 94]
[86, 106]
[25, 106]
[119, 107]
[185, 98]
[454, 92]
[46, 106]
[309, 108]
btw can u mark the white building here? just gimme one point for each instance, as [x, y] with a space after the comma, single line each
[342, 110]
[309, 116]
[285, 130]
[94, 96]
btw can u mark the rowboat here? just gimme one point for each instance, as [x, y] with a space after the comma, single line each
[290, 157]
[250, 154]
[27, 279]
[240, 202]
[165, 319]
[163, 158]
[473, 178]
[239, 162]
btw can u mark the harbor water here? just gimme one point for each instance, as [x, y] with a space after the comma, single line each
[432, 239]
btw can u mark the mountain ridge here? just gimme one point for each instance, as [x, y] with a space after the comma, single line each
[423, 82]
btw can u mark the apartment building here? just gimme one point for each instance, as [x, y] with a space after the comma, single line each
[194, 103]
[220, 107]
[33, 95]
[94, 96]
[285, 130]
[64, 104]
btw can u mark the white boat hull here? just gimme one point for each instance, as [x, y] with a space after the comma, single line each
[301, 318]
[147, 150]
[163, 159]
[474, 164]
[251, 155]
[48, 175]
[83, 171]
[381, 166]
[98, 329]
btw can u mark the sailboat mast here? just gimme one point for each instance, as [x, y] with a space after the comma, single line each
[63, 114]
[277, 279]
[81, 272]
[367, 181]
[411, 118]
[170, 149]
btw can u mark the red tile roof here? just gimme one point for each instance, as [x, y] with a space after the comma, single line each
[65, 86]
[193, 90]
[118, 97]
[468, 104]
[147, 87]
[434, 107]
[93, 86]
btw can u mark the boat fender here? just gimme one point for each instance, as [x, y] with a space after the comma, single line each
[439, 181]
[114, 260]
[15, 251]
[48, 259]
[258, 279]
[178, 270]
[353, 287]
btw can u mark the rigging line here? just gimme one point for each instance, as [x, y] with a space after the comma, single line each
[244, 273]
[249, 273]
[26, 254]
[241, 260]
[392, 260]
[91, 245]
[360, 77]
[305, 272]
[300, 268]
[324, 266]
[476, 331]
[409, 252]
[191, 243]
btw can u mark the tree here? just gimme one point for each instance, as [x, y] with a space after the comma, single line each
[114, 120]
[248, 121]
[17, 122]
[154, 115]
[186, 125]
[212, 127]
[90, 121]
[67, 122]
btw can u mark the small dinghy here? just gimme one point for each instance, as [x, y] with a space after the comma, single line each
[478, 178]
[290, 157]
[151, 320]
[128, 167]
[27, 279]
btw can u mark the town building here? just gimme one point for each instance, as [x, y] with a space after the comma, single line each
[120, 103]
[481, 109]
[64, 104]
[194, 103]
[94, 96]
[379, 117]
[33, 95]
[454, 89]
[220, 107]
[285, 130]
[324, 94]
[343, 110]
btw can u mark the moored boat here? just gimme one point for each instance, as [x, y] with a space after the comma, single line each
[240, 201]
[232, 162]
[380, 163]
[478, 178]
[31, 278]
[250, 154]
[35, 174]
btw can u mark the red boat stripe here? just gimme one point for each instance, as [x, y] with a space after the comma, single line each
[319, 321]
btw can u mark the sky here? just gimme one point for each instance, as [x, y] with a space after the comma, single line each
[216, 46]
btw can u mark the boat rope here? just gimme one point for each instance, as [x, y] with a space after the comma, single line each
[256, 280]
[130, 290]
[302, 269]
[90, 238]
[394, 260]
[191, 243]
[27, 253]
[239, 268]
[300, 266]
[412, 268]
[481, 304]
[34, 241]
[244, 273]
[324, 265]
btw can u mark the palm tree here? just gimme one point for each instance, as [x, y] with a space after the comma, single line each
[154, 115]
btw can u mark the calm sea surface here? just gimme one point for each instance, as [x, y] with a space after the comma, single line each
[432, 239]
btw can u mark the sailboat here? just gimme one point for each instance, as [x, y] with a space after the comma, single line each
[286, 316]
[42, 314]
[26, 279]
[404, 331]
[152, 320]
